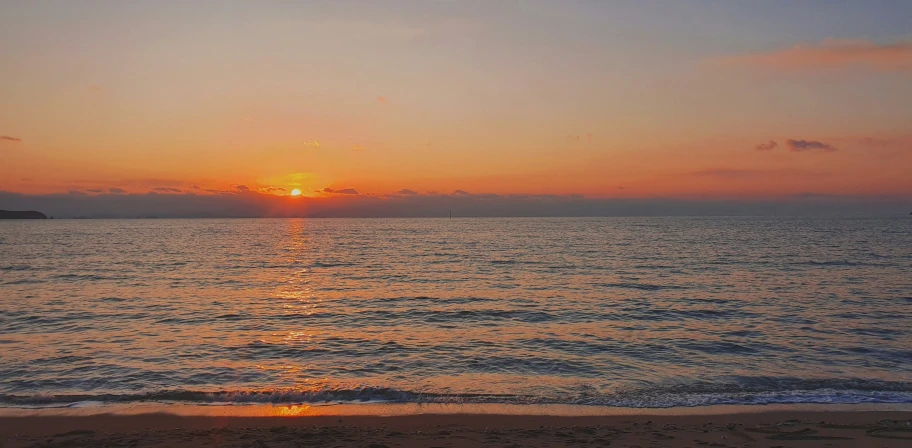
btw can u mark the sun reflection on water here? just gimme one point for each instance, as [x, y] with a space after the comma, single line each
[295, 410]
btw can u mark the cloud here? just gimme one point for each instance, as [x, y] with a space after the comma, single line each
[314, 143]
[573, 137]
[461, 192]
[808, 145]
[833, 54]
[271, 189]
[116, 190]
[195, 187]
[96, 190]
[381, 99]
[406, 191]
[77, 193]
[136, 183]
[738, 173]
[342, 191]
[768, 146]
[243, 188]
[7, 138]
[167, 190]
[725, 172]
[882, 142]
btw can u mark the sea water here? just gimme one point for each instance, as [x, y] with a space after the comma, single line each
[630, 312]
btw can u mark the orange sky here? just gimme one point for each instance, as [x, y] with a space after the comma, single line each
[599, 100]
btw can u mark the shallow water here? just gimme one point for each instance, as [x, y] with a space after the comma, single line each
[637, 312]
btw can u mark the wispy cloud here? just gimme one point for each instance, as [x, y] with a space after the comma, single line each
[381, 99]
[461, 192]
[406, 191]
[314, 143]
[7, 138]
[243, 188]
[768, 146]
[878, 142]
[809, 145]
[116, 190]
[342, 191]
[833, 54]
[742, 173]
[167, 190]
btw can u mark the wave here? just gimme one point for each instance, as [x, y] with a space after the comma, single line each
[640, 286]
[17, 267]
[757, 391]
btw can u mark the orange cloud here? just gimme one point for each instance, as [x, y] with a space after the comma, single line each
[10, 139]
[833, 54]
[381, 99]
[768, 146]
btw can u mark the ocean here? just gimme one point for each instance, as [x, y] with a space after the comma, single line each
[624, 312]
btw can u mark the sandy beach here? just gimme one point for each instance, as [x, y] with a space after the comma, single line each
[768, 430]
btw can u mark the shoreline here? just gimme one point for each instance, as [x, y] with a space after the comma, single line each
[388, 409]
[796, 426]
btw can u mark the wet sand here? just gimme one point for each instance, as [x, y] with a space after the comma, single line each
[767, 430]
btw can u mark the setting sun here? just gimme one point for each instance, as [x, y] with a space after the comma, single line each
[295, 192]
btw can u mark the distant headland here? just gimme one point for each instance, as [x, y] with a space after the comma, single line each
[29, 214]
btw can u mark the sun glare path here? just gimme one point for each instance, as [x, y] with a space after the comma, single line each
[295, 192]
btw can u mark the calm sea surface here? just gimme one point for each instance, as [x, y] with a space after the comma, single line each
[640, 312]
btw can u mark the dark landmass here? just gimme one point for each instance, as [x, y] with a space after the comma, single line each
[29, 214]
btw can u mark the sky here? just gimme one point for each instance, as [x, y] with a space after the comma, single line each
[650, 101]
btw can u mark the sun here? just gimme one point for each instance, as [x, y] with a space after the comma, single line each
[295, 192]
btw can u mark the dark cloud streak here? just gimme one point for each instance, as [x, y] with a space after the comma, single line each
[342, 191]
[809, 145]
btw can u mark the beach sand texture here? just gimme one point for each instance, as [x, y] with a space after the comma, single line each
[767, 430]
